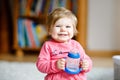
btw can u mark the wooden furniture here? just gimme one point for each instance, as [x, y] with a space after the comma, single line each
[4, 27]
[82, 19]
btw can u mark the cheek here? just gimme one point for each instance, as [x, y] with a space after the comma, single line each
[71, 31]
[53, 32]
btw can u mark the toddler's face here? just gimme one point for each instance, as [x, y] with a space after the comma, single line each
[62, 30]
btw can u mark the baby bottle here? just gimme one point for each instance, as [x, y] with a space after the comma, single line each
[72, 63]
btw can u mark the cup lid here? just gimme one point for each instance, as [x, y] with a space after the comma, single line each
[73, 55]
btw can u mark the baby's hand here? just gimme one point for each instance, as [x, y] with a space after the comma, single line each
[84, 65]
[61, 64]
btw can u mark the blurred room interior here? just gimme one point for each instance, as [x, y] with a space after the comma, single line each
[102, 36]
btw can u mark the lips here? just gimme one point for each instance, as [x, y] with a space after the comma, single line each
[62, 34]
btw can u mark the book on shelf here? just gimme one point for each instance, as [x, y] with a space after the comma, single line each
[39, 7]
[36, 38]
[28, 7]
[22, 7]
[30, 34]
[74, 6]
[20, 35]
[62, 3]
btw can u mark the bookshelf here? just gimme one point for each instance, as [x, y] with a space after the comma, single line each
[80, 9]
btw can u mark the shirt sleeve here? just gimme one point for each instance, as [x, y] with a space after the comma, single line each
[44, 62]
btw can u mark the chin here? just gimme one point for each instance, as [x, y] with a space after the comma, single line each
[62, 41]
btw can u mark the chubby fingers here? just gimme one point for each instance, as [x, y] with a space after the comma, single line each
[84, 64]
[61, 64]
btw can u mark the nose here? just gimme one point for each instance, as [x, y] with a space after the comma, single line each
[63, 28]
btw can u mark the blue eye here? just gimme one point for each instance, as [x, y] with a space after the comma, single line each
[68, 26]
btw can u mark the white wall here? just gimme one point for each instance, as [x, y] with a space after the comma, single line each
[118, 24]
[103, 24]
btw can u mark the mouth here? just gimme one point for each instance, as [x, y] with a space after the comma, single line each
[62, 34]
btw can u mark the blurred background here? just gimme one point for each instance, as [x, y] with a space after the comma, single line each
[102, 26]
[23, 31]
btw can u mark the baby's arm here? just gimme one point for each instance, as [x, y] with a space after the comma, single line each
[44, 62]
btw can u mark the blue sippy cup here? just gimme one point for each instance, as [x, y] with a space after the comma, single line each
[72, 63]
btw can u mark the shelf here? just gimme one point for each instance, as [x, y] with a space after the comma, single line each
[30, 49]
[39, 19]
[27, 49]
[33, 17]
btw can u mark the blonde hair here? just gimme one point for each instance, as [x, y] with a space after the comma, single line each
[61, 13]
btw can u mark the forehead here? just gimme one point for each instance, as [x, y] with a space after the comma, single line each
[64, 21]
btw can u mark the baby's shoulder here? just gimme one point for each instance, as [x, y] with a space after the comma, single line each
[49, 42]
[74, 41]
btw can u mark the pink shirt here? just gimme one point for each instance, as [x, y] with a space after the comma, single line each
[51, 51]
